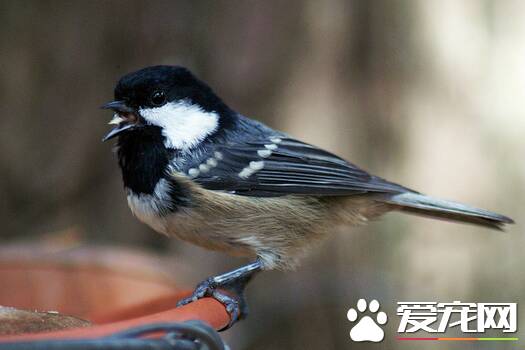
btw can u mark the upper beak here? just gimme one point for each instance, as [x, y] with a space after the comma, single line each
[125, 118]
[119, 107]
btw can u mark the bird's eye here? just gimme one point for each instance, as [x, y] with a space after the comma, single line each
[158, 98]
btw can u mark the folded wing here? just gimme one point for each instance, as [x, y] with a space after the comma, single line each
[276, 166]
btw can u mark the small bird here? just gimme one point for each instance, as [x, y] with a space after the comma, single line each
[195, 169]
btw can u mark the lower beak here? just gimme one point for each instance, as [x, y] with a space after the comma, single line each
[126, 118]
[118, 130]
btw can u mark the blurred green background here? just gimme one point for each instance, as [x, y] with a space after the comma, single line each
[429, 94]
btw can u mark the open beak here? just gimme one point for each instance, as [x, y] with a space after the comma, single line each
[125, 118]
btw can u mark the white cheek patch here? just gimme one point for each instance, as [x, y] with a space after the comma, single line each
[183, 124]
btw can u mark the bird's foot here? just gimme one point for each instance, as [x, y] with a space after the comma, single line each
[228, 289]
[230, 294]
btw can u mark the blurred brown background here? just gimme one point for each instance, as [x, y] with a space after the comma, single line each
[425, 93]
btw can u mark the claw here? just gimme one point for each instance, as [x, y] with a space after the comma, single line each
[228, 289]
[233, 302]
[233, 307]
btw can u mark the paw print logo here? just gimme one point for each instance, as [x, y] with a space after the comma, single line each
[366, 329]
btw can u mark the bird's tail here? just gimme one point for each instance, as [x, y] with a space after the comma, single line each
[415, 203]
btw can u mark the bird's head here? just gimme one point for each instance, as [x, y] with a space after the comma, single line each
[170, 99]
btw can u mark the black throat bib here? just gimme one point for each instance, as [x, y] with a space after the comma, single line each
[143, 159]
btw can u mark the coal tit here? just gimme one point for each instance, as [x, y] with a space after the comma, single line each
[195, 169]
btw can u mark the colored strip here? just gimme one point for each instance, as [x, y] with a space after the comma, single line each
[460, 339]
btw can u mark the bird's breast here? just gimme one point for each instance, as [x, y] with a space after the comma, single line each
[152, 208]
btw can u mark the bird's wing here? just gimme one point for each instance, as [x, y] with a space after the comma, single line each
[277, 166]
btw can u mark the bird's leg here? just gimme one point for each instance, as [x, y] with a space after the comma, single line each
[227, 288]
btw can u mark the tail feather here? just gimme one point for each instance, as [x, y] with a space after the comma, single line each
[415, 203]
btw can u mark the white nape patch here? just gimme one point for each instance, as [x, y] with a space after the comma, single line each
[183, 124]
[251, 169]
[148, 208]
[193, 172]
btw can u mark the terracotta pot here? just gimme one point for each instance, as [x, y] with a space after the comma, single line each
[111, 288]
